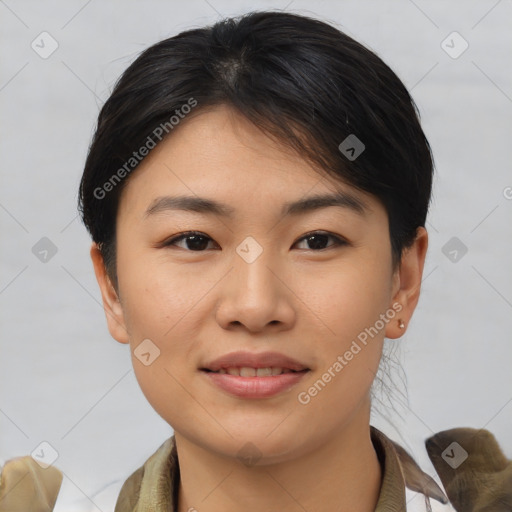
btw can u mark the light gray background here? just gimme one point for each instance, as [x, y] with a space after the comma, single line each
[64, 380]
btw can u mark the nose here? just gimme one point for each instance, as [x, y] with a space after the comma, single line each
[256, 293]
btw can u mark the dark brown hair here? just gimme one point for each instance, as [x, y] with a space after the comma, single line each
[302, 81]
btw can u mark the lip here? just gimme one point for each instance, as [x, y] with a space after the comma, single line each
[255, 387]
[254, 360]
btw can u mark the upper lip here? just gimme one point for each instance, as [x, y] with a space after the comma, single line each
[252, 360]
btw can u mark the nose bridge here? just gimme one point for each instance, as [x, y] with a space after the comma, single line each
[254, 295]
[252, 265]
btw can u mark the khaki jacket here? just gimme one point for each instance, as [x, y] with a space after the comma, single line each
[25, 486]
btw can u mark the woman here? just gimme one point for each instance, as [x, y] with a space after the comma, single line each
[255, 236]
[257, 192]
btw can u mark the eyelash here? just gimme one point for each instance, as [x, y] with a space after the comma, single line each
[338, 240]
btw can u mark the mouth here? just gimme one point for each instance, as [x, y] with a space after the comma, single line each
[247, 371]
[254, 383]
[252, 364]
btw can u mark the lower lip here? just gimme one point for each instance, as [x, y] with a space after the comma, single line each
[255, 387]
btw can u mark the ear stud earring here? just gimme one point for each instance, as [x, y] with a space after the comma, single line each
[401, 324]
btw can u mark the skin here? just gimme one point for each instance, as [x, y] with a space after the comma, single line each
[305, 302]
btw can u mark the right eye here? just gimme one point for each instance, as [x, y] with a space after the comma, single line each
[194, 240]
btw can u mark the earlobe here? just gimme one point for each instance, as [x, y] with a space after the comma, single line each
[408, 284]
[111, 303]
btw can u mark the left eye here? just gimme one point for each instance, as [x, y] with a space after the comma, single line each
[197, 241]
[317, 238]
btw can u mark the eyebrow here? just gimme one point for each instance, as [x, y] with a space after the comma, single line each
[302, 206]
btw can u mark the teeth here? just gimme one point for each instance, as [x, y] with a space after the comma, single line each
[254, 372]
[247, 372]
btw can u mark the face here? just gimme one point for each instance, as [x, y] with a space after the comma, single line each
[308, 284]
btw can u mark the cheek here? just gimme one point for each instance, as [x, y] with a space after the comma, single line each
[156, 296]
[351, 347]
[346, 299]
[163, 304]
[347, 304]
[159, 306]
[361, 305]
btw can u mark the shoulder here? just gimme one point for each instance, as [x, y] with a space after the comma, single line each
[473, 468]
[129, 493]
[152, 476]
[26, 485]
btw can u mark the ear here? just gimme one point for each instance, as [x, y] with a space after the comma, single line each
[407, 282]
[111, 303]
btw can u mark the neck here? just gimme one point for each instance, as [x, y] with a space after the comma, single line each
[342, 474]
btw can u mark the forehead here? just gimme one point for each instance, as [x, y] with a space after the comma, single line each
[218, 161]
